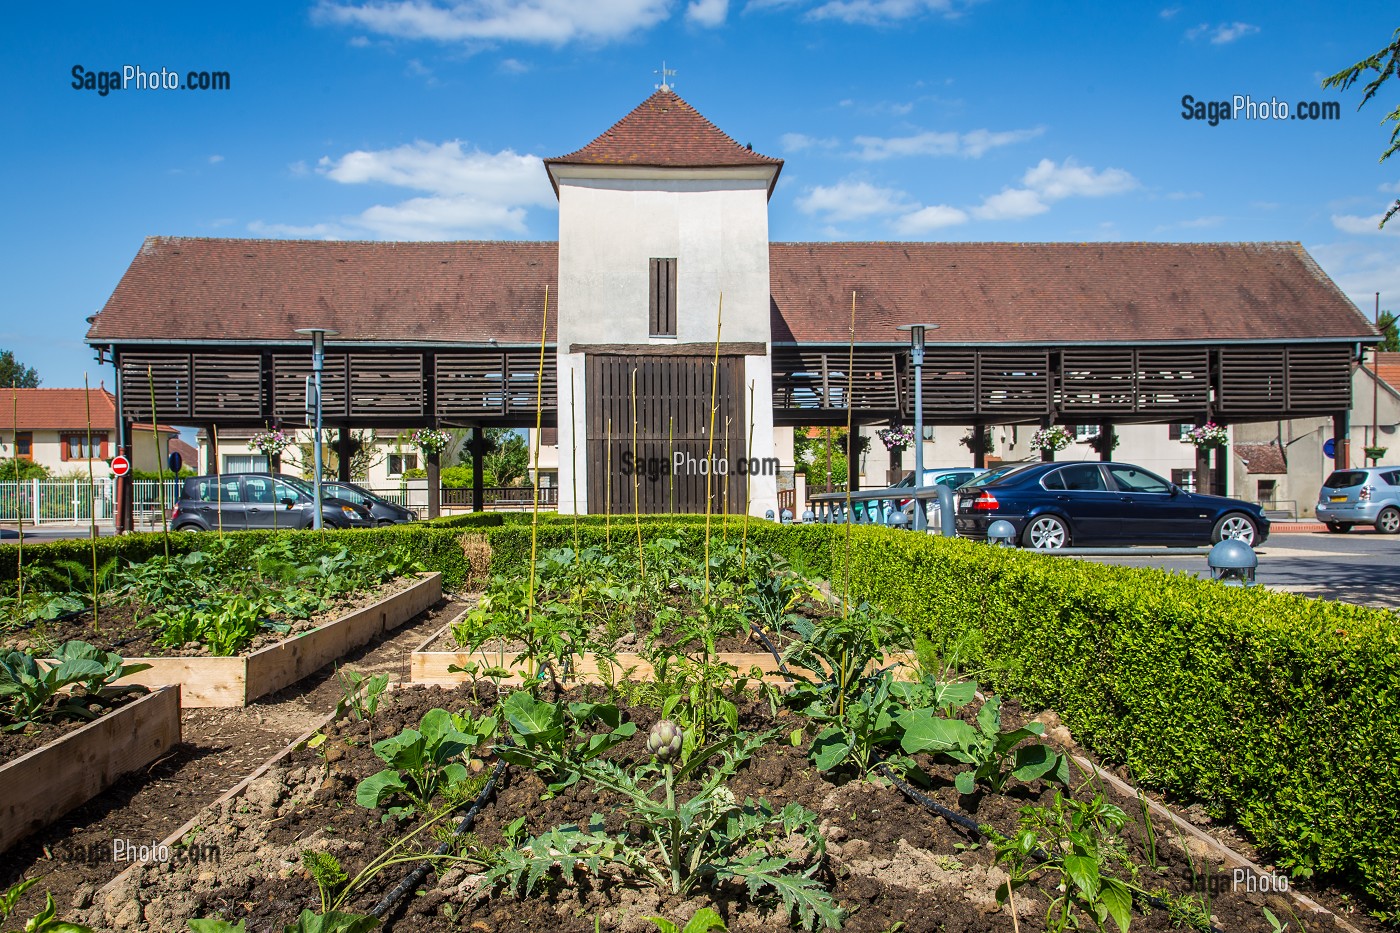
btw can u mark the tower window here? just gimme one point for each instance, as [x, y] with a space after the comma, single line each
[663, 297]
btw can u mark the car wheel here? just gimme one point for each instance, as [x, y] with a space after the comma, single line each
[1388, 522]
[1046, 533]
[1237, 526]
[385, 522]
[188, 526]
[1338, 528]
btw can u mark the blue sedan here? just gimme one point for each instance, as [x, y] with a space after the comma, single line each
[1055, 505]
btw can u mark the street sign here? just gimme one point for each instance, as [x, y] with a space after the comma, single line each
[175, 461]
[120, 465]
[1330, 448]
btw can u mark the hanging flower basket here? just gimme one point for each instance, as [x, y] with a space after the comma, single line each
[896, 437]
[1208, 436]
[1375, 453]
[1097, 442]
[1053, 438]
[271, 443]
[970, 442]
[431, 440]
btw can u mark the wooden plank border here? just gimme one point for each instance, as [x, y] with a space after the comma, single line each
[238, 681]
[43, 785]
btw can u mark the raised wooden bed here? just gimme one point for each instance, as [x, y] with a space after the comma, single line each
[431, 667]
[43, 785]
[239, 680]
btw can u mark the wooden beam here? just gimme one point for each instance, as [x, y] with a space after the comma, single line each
[670, 349]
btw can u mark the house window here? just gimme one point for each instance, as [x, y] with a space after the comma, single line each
[245, 463]
[402, 463]
[24, 445]
[1176, 432]
[77, 447]
[663, 297]
[1186, 479]
[1082, 432]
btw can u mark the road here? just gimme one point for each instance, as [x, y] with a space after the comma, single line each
[1362, 567]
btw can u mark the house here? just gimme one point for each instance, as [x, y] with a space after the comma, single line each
[50, 427]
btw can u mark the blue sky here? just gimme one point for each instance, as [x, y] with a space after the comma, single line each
[1017, 120]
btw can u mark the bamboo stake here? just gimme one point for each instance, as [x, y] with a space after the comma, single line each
[218, 479]
[850, 452]
[710, 455]
[607, 492]
[636, 483]
[573, 462]
[535, 517]
[748, 488]
[92, 511]
[19, 502]
[160, 470]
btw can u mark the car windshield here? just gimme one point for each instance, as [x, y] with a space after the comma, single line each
[1344, 479]
[298, 484]
[991, 476]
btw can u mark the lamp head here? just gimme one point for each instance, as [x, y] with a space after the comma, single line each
[916, 333]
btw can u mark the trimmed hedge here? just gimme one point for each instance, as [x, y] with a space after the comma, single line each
[1279, 712]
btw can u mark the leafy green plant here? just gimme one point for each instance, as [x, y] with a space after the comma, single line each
[33, 691]
[679, 844]
[46, 920]
[704, 920]
[360, 695]
[555, 738]
[424, 762]
[997, 756]
[1075, 846]
[326, 871]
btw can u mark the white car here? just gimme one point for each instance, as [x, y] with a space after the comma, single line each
[952, 477]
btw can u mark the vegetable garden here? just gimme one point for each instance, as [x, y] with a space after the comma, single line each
[838, 732]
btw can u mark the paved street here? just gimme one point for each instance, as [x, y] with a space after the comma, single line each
[1361, 567]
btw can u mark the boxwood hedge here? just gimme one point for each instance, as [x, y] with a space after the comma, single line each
[1279, 712]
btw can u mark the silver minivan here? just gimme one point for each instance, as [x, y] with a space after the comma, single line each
[1361, 496]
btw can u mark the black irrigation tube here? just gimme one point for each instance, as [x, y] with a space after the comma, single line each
[413, 878]
[953, 816]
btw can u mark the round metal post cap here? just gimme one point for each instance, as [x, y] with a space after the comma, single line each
[1232, 554]
[768, 515]
[1002, 532]
[808, 515]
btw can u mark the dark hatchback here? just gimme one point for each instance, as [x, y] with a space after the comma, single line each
[381, 510]
[1056, 505]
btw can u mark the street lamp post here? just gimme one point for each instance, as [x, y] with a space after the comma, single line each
[916, 356]
[318, 361]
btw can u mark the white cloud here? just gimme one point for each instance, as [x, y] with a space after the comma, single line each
[886, 12]
[1046, 182]
[1169, 12]
[929, 218]
[464, 193]
[1221, 33]
[215, 159]
[1363, 267]
[1011, 204]
[513, 66]
[852, 200]
[1073, 180]
[797, 142]
[972, 144]
[306, 232]
[707, 13]
[1391, 188]
[551, 22]
[1351, 223]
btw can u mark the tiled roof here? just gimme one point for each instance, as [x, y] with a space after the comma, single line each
[188, 453]
[466, 292]
[194, 288]
[1056, 292]
[665, 131]
[1262, 458]
[57, 409]
[1388, 368]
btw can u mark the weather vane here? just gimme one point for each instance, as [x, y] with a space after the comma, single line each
[665, 73]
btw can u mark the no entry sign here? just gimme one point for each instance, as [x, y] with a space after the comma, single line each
[120, 466]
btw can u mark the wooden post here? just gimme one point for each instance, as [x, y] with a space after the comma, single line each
[1221, 481]
[211, 433]
[1047, 455]
[853, 458]
[434, 484]
[1341, 435]
[979, 446]
[478, 449]
[344, 450]
[1107, 436]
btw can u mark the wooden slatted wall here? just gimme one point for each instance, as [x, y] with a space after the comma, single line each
[169, 372]
[289, 373]
[227, 386]
[386, 385]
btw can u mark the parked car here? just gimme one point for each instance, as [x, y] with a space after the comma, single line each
[952, 477]
[1361, 496]
[236, 501]
[381, 510]
[1054, 505]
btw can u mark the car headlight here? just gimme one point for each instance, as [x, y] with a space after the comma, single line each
[350, 513]
[412, 516]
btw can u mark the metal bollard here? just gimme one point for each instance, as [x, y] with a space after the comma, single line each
[1001, 534]
[1233, 563]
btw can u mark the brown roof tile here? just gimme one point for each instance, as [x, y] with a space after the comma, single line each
[196, 289]
[1388, 368]
[1056, 292]
[57, 409]
[664, 131]
[1262, 458]
[192, 288]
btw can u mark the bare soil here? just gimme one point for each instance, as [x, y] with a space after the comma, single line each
[892, 863]
[221, 746]
[15, 744]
